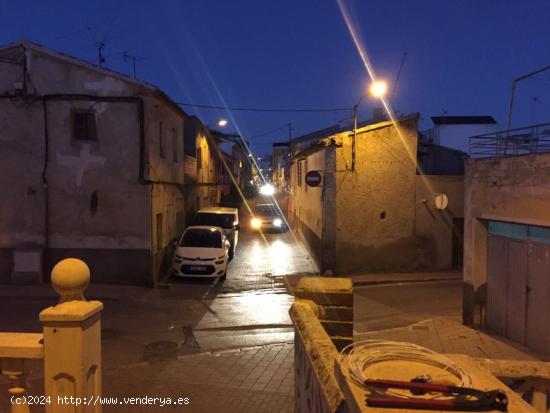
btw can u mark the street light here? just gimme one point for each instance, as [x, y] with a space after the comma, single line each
[222, 123]
[377, 89]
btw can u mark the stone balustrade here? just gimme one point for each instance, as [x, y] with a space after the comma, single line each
[70, 346]
[322, 315]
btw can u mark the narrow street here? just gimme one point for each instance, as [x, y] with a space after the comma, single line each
[202, 334]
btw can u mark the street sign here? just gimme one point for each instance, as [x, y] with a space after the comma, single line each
[313, 178]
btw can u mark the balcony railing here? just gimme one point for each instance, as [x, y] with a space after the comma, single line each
[519, 141]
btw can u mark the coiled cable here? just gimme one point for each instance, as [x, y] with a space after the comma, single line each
[363, 354]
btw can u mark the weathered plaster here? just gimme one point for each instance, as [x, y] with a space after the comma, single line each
[513, 189]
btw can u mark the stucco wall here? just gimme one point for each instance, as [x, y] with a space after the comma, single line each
[97, 205]
[375, 210]
[513, 189]
[433, 227]
[308, 202]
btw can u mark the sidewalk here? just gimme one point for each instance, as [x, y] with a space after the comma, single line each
[446, 335]
[259, 379]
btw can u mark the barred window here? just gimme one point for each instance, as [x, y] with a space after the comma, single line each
[84, 127]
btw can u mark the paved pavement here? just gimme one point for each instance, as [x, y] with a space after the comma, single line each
[259, 379]
[429, 314]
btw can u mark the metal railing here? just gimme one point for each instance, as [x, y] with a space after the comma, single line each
[518, 141]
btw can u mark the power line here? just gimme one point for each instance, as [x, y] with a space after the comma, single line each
[285, 126]
[194, 105]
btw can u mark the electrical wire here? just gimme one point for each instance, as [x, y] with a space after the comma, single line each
[361, 355]
[195, 105]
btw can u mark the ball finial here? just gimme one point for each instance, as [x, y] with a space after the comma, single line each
[70, 277]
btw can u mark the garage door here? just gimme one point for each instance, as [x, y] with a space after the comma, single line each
[518, 283]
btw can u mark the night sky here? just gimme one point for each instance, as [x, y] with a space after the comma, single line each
[461, 55]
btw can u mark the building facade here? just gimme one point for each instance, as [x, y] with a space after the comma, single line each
[372, 211]
[507, 247]
[92, 167]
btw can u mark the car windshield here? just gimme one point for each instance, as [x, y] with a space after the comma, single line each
[202, 238]
[225, 221]
[266, 209]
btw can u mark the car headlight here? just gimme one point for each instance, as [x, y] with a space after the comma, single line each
[219, 262]
[277, 222]
[256, 223]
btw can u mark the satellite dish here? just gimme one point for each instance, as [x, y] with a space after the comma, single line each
[441, 201]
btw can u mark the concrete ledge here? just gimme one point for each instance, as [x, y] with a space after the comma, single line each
[329, 299]
[325, 285]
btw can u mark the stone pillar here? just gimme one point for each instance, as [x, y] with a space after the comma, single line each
[334, 299]
[72, 342]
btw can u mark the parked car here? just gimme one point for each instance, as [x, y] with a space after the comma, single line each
[226, 218]
[268, 217]
[202, 251]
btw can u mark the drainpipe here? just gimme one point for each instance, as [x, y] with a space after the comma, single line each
[46, 258]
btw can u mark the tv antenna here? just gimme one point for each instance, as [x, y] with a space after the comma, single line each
[100, 56]
[133, 58]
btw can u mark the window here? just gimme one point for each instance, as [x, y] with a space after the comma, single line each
[299, 173]
[199, 158]
[84, 127]
[175, 144]
[159, 232]
[162, 149]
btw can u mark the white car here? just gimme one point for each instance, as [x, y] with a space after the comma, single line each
[202, 251]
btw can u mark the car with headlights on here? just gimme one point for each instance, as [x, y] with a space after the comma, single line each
[268, 217]
[202, 251]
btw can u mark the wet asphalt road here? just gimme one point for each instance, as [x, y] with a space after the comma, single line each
[251, 306]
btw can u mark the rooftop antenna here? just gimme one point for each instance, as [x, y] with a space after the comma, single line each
[100, 57]
[129, 57]
[397, 76]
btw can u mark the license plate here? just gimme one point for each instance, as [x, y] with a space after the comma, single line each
[197, 268]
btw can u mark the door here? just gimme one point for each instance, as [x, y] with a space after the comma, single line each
[538, 291]
[518, 283]
[497, 283]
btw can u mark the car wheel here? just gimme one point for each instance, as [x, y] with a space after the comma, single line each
[231, 253]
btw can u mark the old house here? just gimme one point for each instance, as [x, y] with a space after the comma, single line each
[507, 236]
[92, 167]
[372, 209]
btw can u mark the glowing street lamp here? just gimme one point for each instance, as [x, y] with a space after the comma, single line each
[378, 89]
[222, 123]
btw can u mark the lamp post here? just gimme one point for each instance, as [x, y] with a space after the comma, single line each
[377, 89]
